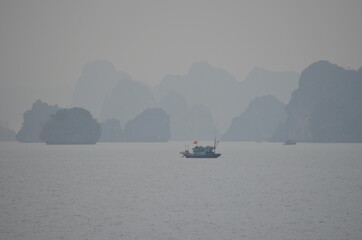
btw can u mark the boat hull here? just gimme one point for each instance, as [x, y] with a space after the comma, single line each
[190, 155]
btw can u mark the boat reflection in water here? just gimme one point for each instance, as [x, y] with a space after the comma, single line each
[290, 142]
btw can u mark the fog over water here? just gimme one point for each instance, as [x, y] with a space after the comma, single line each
[118, 74]
[45, 44]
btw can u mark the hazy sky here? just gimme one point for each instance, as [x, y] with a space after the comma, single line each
[45, 44]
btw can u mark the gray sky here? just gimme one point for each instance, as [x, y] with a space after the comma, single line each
[45, 44]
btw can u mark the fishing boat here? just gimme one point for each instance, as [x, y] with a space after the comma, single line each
[201, 152]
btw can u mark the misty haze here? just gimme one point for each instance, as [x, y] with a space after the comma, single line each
[180, 120]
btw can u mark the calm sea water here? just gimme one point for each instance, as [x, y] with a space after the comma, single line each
[148, 191]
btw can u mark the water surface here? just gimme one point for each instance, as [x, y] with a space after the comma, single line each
[148, 191]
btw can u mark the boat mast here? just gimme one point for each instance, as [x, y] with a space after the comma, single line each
[215, 144]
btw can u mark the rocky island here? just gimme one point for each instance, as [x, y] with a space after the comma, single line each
[71, 126]
[34, 121]
[326, 107]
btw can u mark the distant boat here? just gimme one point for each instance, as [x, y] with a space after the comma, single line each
[201, 152]
[290, 142]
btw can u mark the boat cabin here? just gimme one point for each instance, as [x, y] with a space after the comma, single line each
[200, 151]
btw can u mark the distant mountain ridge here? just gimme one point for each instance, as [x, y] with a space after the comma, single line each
[127, 99]
[206, 85]
[152, 125]
[111, 131]
[258, 122]
[325, 107]
[223, 94]
[213, 97]
[262, 82]
[95, 84]
[111, 94]
[188, 122]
